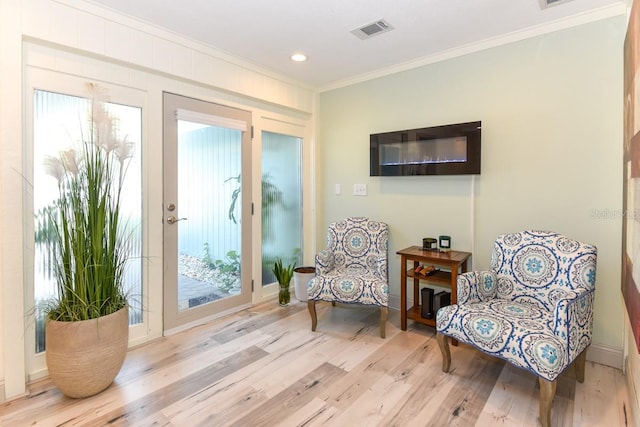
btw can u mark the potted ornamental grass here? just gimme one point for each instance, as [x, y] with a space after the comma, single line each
[283, 276]
[87, 322]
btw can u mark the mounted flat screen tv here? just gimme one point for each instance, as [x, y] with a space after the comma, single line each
[440, 150]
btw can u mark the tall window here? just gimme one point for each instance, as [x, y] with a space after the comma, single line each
[281, 201]
[61, 122]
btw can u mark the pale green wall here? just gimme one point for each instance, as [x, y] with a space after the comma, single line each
[551, 112]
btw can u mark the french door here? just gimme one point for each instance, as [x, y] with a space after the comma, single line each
[206, 209]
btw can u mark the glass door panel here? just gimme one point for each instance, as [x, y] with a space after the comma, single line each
[207, 208]
[281, 201]
[209, 245]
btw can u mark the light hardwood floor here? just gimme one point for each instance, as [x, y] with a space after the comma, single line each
[264, 367]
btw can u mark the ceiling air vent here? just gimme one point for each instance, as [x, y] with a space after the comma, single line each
[373, 29]
[546, 3]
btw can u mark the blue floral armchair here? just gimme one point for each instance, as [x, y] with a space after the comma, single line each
[353, 267]
[533, 308]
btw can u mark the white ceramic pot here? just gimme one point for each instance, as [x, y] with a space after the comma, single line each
[301, 276]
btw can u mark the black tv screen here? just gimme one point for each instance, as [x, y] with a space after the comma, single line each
[439, 150]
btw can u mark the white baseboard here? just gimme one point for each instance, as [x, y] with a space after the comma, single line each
[394, 302]
[205, 320]
[604, 355]
[38, 375]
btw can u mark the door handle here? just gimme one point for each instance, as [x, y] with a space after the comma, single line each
[172, 219]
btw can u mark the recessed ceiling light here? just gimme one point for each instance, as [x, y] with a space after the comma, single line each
[299, 57]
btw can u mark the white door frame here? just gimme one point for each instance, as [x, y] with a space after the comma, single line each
[174, 318]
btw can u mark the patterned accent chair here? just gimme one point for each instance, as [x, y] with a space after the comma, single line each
[353, 267]
[533, 308]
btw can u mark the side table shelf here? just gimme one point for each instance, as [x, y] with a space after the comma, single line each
[441, 278]
[454, 263]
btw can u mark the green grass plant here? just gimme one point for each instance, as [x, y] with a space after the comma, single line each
[283, 274]
[89, 236]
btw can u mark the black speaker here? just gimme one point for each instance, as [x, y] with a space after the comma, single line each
[427, 303]
[441, 299]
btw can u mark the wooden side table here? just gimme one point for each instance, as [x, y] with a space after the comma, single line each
[452, 262]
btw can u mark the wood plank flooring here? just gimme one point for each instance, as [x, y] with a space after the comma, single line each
[264, 367]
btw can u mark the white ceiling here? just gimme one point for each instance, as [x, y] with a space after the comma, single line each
[266, 33]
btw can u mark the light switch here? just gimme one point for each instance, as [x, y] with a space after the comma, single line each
[338, 189]
[359, 189]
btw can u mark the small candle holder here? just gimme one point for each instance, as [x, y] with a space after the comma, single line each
[445, 243]
[429, 244]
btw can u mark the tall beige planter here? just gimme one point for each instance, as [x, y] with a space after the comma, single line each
[84, 357]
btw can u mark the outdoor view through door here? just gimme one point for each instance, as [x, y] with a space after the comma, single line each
[209, 173]
[207, 208]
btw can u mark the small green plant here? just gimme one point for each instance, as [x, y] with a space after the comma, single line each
[283, 274]
[206, 256]
[228, 268]
[269, 259]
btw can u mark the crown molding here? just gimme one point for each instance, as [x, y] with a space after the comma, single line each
[101, 11]
[550, 27]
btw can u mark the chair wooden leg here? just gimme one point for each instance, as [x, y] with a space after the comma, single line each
[547, 393]
[443, 342]
[578, 365]
[311, 305]
[384, 314]
[333, 303]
